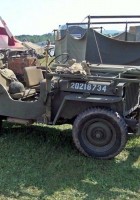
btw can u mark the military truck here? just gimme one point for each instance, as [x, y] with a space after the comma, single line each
[100, 101]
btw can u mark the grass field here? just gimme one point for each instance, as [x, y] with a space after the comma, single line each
[41, 162]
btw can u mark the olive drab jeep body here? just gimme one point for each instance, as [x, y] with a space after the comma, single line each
[100, 101]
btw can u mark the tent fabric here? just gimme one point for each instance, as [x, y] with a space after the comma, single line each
[97, 48]
[29, 45]
[123, 36]
[102, 49]
[60, 48]
[75, 47]
[7, 40]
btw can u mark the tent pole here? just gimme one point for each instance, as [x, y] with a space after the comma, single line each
[126, 32]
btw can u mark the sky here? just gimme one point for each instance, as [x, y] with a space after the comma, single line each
[37, 17]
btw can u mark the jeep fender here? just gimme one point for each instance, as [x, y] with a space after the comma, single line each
[86, 98]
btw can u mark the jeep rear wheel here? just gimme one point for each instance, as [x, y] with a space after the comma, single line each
[99, 133]
[0, 126]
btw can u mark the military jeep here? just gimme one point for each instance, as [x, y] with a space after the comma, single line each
[100, 101]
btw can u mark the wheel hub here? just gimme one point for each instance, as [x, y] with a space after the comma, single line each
[99, 134]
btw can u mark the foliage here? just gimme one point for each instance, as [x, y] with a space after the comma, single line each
[36, 38]
[41, 162]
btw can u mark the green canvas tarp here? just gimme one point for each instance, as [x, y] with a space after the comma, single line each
[75, 47]
[102, 49]
[97, 48]
[125, 36]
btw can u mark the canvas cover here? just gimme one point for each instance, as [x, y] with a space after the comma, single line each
[125, 36]
[97, 48]
[7, 40]
[75, 47]
[38, 49]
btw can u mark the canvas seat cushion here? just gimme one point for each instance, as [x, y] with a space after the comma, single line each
[33, 76]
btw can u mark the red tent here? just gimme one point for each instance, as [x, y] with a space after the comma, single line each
[7, 40]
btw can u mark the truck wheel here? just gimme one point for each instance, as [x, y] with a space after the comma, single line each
[0, 126]
[99, 133]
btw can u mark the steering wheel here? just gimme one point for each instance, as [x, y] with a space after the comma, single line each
[64, 60]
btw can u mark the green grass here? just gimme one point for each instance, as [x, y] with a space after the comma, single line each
[41, 162]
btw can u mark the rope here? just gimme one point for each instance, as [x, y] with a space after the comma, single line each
[98, 48]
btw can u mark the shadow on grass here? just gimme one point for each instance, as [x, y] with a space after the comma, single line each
[42, 163]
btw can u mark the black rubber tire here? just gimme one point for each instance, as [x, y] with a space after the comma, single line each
[0, 126]
[99, 133]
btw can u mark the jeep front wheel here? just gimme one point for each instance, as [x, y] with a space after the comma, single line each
[99, 133]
